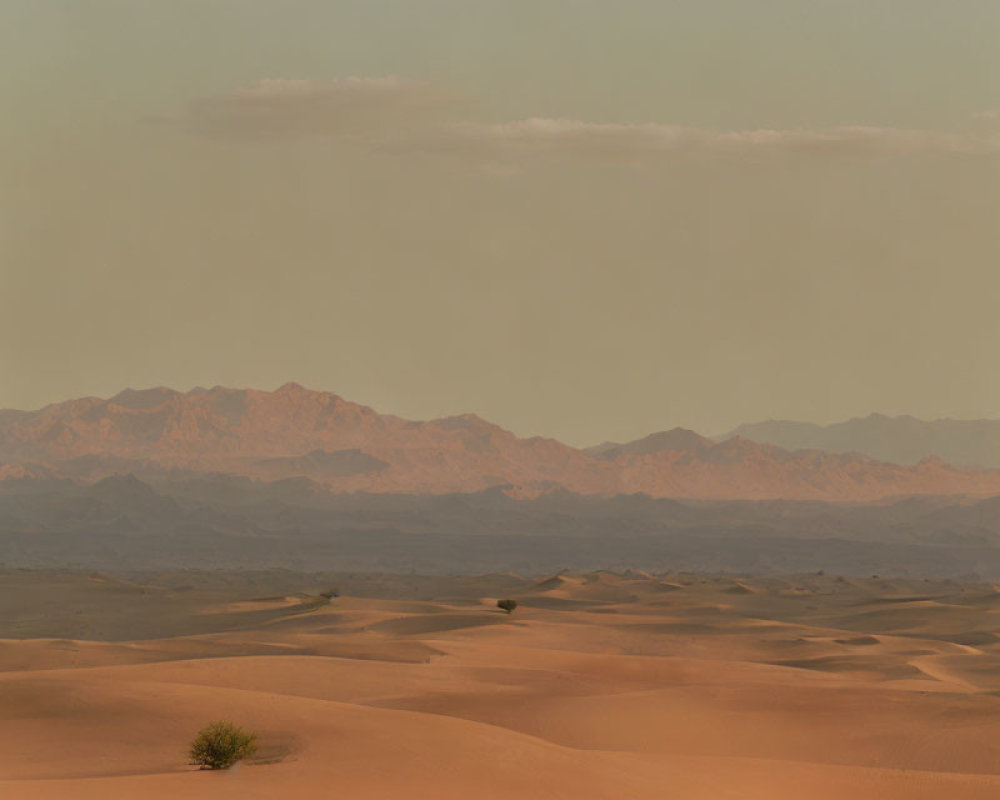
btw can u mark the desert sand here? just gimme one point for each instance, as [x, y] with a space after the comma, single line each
[601, 685]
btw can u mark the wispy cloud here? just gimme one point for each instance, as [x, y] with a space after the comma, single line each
[399, 114]
[561, 135]
[352, 107]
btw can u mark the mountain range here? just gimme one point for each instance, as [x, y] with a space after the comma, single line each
[343, 447]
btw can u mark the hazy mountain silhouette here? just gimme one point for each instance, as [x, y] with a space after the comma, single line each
[902, 440]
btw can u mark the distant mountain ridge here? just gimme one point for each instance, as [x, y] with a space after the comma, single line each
[345, 447]
[210, 521]
[901, 439]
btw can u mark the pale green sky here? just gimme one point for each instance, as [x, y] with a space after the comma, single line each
[588, 220]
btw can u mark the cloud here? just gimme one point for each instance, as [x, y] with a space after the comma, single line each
[343, 107]
[569, 136]
[402, 115]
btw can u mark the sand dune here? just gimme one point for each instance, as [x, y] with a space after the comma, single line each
[791, 688]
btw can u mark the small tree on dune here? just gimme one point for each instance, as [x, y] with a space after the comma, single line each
[507, 604]
[222, 744]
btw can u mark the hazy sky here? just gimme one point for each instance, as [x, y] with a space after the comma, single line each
[581, 219]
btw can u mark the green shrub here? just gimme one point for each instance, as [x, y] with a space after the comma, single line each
[507, 604]
[222, 744]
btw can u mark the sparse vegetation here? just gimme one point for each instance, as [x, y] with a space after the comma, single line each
[222, 744]
[507, 604]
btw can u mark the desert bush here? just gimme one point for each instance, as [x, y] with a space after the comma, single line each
[507, 604]
[222, 744]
